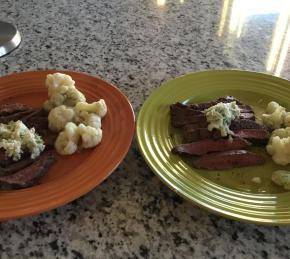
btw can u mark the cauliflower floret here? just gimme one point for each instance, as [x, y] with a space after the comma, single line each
[67, 140]
[61, 90]
[55, 82]
[272, 107]
[56, 98]
[282, 178]
[90, 136]
[279, 146]
[99, 107]
[73, 96]
[59, 116]
[89, 119]
[275, 115]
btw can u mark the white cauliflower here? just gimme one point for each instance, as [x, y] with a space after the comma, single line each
[68, 108]
[73, 96]
[59, 116]
[275, 116]
[67, 140]
[90, 137]
[75, 136]
[279, 146]
[99, 107]
[61, 90]
[89, 119]
[282, 178]
[56, 80]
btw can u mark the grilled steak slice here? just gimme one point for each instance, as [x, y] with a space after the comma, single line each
[16, 116]
[30, 175]
[200, 134]
[228, 99]
[178, 121]
[39, 123]
[191, 127]
[247, 116]
[256, 136]
[194, 109]
[6, 161]
[209, 145]
[181, 120]
[34, 113]
[10, 108]
[203, 106]
[228, 160]
[236, 124]
[38, 120]
[183, 114]
[182, 109]
[48, 137]
[13, 167]
[239, 124]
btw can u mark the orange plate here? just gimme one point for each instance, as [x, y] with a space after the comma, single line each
[75, 175]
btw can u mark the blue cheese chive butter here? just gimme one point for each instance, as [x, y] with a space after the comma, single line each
[16, 138]
[220, 116]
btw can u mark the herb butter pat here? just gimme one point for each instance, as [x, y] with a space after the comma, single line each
[220, 116]
[16, 138]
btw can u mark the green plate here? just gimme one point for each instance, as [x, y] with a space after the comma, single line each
[229, 193]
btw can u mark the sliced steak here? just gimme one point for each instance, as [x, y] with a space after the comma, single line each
[228, 99]
[256, 136]
[34, 113]
[179, 121]
[239, 124]
[182, 109]
[200, 134]
[245, 108]
[209, 145]
[15, 166]
[48, 137]
[10, 108]
[203, 106]
[184, 114]
[193, 126]
[228, 160]
[16, 115]
[39, 123]
[236, 124]
[247, 116]
[30, 175]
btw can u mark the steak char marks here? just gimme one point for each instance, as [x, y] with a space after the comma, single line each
[199, 141]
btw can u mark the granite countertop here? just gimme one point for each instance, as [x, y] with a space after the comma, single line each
[137, 45]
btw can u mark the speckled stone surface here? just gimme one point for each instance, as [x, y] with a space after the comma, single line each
[137, 45]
